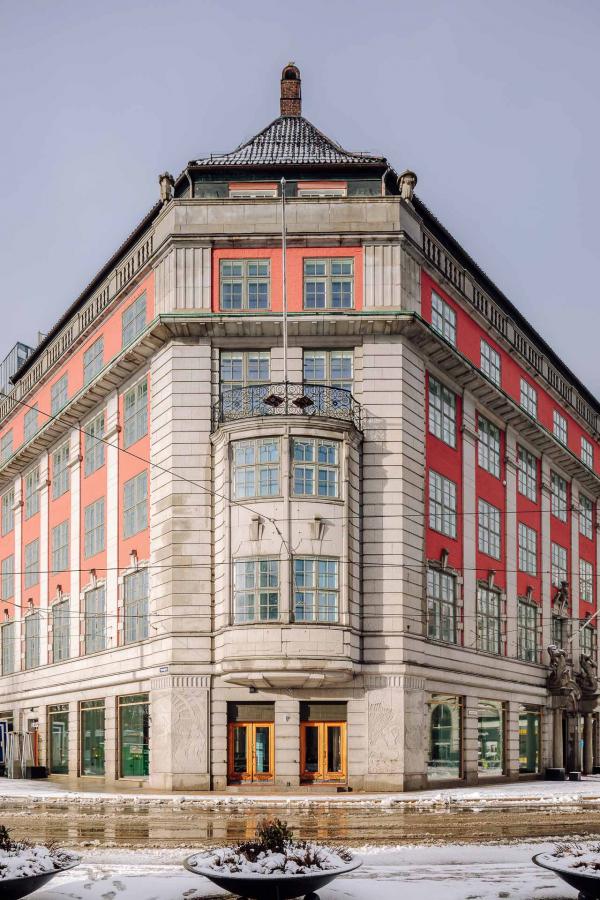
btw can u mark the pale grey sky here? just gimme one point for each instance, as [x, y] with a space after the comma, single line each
[494, 103]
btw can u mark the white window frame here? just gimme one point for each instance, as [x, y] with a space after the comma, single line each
[586, 517]
[8, 633]
[313, 476]
[136, 606]
[61, 630]
[250, 277]
[93, 439]
[527, 630]
[528, 398]
[30, 423]
[60, 471]
[60, 547]
[587, 453]
[527, 474]
[93, 360]
[6, 446]
[442, 412]
[327, 278]
[135, 413]
[31, 639]
[316, 589]
[490, 363]
[586, 580]
[8, 511]
[489, 623]
[559, 564]
[59, 394]
[256, 590]
[560, 427]
[256, 468]
[94, 521]
[32, 563]
[442, 606]
[8, 577]
[94, 620]
[135, 504]
[32, 492]
[442, 504]
[489, 539]
[133, 320]
[488, 446]
[527, 549]
[443, 318]
[559, 498]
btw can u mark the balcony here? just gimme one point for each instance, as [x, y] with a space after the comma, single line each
[286, 399]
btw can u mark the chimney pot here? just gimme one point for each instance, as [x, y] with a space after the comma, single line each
[291, 91]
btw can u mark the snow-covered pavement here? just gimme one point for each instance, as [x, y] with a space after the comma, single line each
[452, 872]
[530, 793]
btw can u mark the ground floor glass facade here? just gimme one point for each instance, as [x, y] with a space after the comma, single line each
[58, 739]
[490, 735]
[445, 736]
[92, 737]
[134, 736]
[529, 740]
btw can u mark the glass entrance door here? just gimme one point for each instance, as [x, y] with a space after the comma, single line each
[323, 751]
[250, 751]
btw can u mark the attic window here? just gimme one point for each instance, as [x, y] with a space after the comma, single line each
[323, 189]
[252, 190]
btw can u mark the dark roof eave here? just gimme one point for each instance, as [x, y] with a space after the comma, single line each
[462, 256]
[359, 164]
[84, 296]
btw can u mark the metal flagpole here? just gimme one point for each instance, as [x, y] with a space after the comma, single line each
[284, 284]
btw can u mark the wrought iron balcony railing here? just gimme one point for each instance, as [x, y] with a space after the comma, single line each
[306, 400]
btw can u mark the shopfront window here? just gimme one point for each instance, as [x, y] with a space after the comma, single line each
[445, 736]
[529, 740]
[134, 736]
[490, 730]
[92, 735]
[58, 735]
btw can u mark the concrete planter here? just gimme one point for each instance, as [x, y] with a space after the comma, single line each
[15, 888]
[586, 883]
[271, 887]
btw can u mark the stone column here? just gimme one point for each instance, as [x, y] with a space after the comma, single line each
[558, 760]
[588, 746]
[287, 742]
[576, 743]
[469, 521]
[179, 709]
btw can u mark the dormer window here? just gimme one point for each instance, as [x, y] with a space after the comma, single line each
[322, 189]
[252, 190]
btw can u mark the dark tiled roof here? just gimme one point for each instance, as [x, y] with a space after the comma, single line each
[289, 140]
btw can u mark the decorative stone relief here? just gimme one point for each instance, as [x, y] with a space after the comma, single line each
[385, 734]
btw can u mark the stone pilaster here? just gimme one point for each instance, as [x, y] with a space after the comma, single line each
[19, 568]
[45, 557]
[511, 738]
[397, 723]
[545, 558]
[179, 758]
[511, 543]
[470, 741]
[287, 742]
[469, 521]
[112, 519]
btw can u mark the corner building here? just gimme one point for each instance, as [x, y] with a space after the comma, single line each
[223, 566]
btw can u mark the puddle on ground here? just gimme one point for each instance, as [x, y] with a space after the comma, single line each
[130, 826]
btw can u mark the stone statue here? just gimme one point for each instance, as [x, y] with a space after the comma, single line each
[167, 183]
[589, 674]
[560, 674]
[407, 183]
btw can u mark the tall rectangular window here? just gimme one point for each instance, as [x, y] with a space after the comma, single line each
[32, 640]
[9, 653]
[135, 606]
[445, 738]
[30, 423]
[587, 639]
[586, 517]
[489, 529]
[255, 468]
[488, 447]
[316, 589]
[559, 497]
[442, 504]
[559, 427]
[93, 528]
[60, 471]
[527, 549]
[586, 581]
[488, 620]
[528, 398]
[527, 631]
[92, 732]
[60, 547]
[8, 577]
[133, 320]
[587, 453]
[490, 363]
[442, 412]
[32, 493]
[239, 369]
[529, 740]
[8, 512]
[61, 629]
[559, 564]
[93, 454]
[58, 737]
[135, 504]
[490, 738]
[6, 446]
[32, 563]
[558, 631]
[315, 467]
[135, 413]
[245, 284]
[527, 474]
[134, 736]
[328, 283]
[443, 318]
[59, 394]
[93, 360]
[255, 590]
[332, 369]
[95, 620]
[441, 606]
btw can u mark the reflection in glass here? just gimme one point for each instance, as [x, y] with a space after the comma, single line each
[262, 761]
[134, 722]
[529, 741]
[311, 736]
[92, 737]
[59, 739]
[240, 757]
[490, 730]
[444, 738]
[334, 748]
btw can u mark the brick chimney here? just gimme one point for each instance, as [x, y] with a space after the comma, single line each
[291, 96]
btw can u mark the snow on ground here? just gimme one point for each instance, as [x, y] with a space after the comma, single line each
[531, 793]
[453, 872]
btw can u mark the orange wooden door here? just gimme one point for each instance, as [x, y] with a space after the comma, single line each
[250, 751]
[323, 751]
